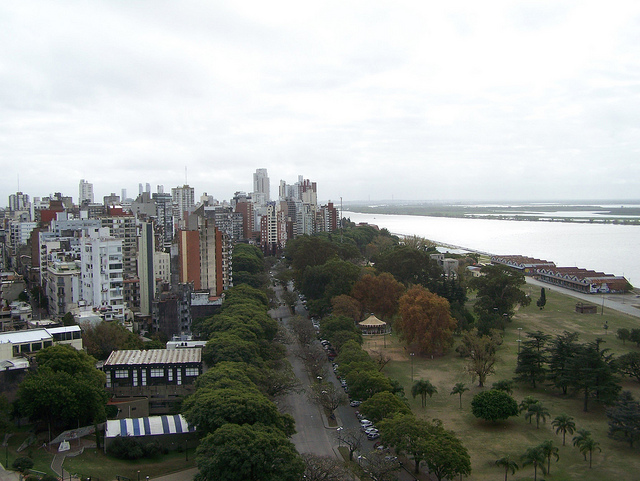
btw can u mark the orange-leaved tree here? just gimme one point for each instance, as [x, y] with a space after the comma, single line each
[425, 322]
[378, 294]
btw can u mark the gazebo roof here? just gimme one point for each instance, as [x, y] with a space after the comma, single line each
[372, 321]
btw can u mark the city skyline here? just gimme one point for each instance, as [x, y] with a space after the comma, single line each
[373, 101]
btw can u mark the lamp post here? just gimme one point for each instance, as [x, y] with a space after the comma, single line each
[339, 435]
[138, 475]
[412, 354]
[519, 341]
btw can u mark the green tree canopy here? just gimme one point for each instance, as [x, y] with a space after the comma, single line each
[226, 346]
[498, 292]
[101, 339]
[383, 405]
[67, 389]
[252, 452]
[210, 408]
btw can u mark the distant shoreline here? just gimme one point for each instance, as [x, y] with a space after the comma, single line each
[584, 214]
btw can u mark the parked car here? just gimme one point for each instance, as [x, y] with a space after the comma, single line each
[354, 403]
[373, 436]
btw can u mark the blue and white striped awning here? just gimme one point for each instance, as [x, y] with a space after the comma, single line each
[150, 426]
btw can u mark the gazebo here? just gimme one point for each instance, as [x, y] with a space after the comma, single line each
[373, 325]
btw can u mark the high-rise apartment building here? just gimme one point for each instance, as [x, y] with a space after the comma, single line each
[19, 202]
[85, 193]
[101, 270]
[261, 194]
[184, 198]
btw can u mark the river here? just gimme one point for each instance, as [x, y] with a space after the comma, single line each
[608, 248]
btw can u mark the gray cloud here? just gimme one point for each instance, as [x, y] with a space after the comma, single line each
[369, 99]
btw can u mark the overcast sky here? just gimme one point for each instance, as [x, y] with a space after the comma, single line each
[372, 100]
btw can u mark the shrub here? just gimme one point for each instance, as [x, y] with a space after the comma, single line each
[494, 405]
[22, 464]
[126, 447]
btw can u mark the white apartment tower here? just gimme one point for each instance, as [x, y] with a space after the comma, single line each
[101, 271]
[85, 192]
[184, 198]
[261, 193]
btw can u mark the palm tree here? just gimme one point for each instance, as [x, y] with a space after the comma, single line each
[536, 457]
[582, 436]
[525, 403]
[459, 389]
[564, 423]
[508, 464]
[539, 411]
[588, 446]
[423, 388]
[549, 451]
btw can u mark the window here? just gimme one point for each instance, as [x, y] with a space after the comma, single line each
[170, 374]
[36, 346]
[156, 373]
[191, 371]
[122, 373]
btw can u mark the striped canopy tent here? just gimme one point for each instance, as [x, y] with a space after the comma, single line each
[373, 325]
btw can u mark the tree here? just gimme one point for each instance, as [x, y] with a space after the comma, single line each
[382, 405]
[323, 468]
[549, 451]
[364, 384]
[593, 374]
[423, 388]
[493, 405]
[565, 424]
[446, 456]
[229, 346]
[67, 389]
[290, 299]
[481, 353]
[508, 464]
[581, 436]
[542, 301]
[589, 446]
[561, 352]
[532, 358]
[634, 336]
[535, 457]
[498, 292]
[347, 306]
[409, 266]
[525, 403]
[378, 294]
[69, 320]
[326, 395]
[538, 411]
[629, 364]
[624, 419]
[623, 334]
[352, 438]
[210, 408]
[425, 321]
[407, 435]
[255, 452]
[303, 330]
[505, 385]
[459, 389]
[380, 466]
[101, 339]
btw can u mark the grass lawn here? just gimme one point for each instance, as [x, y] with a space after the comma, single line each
[487, 442]
[95, 463]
